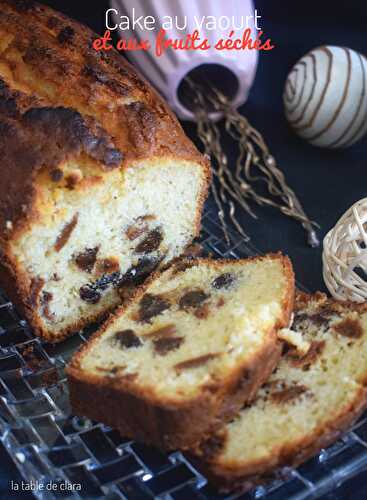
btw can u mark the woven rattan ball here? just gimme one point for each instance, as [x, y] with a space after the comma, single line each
[345, 255]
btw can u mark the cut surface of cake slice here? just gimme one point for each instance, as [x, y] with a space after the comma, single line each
[309, 400]
[187, 351]
[99, 185]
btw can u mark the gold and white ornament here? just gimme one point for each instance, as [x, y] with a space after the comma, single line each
[345, 255]
[325, 97]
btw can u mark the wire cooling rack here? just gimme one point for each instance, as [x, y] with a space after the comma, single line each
[71, 457]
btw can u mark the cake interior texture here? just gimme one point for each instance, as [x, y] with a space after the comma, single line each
[306, 403]
[88, 249]
[193, 328]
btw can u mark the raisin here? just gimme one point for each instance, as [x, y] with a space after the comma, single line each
[127, 339]
[194, 298]
[137, 274]
[89, 294]
[166, 344]
[151, 242]
[151, 306]
[86, 260]
[113, 279]
[223, 281]
[133, 277]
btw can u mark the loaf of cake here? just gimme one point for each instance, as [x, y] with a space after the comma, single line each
[190, 348]
[98, 183]
[309, 400]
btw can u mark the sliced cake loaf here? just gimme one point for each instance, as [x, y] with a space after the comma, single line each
[192, 346]
[99, 184]
[309, 400]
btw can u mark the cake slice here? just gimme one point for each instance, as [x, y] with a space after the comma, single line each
[309, 400]
[99, 185]
[191, 347]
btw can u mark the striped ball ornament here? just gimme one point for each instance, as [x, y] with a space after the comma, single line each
[325, 97]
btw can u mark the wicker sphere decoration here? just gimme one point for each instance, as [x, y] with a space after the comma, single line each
[345, 255]
[325, 97]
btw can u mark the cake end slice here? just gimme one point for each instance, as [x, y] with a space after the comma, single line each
[310, 399]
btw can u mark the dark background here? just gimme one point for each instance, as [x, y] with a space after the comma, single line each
[327, 182]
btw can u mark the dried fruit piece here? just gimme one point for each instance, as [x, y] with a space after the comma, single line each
[86, 260]
[162, 331]
[89, 294]
[64, 236]
[151, 306]
[103, 283]
[137, 274]
[225, 280]
[193, 251]
[288, 394]
[310, 357]
[139, 227]
[196, 362]
[151, 242]
[133, 232]
[349, 327]
[166, 344]
[126, 339]
[108, 265]
[193, 298]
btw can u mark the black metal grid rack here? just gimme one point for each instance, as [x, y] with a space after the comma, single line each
[49, 445]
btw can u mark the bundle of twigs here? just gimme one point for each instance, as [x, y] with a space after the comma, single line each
[254, 166]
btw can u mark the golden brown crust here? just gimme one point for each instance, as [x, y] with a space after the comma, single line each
[106, 112]
[167, 424]
[229, 478]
